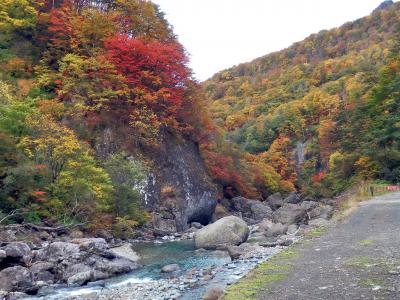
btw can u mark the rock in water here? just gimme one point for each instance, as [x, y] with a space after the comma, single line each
[170, 268]
[229, 230]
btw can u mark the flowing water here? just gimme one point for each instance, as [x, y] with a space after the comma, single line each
[153, 257]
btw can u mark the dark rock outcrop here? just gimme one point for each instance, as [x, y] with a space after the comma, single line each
[178, 189]
[179, 185]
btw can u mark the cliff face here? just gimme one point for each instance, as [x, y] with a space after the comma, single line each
[178, 190]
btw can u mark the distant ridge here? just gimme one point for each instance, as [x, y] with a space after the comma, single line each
[385, 4]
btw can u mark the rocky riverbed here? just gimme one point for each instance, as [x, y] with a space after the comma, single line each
[189, 283]
[244, 233]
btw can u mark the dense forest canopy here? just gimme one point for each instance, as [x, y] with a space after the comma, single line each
[323, 112]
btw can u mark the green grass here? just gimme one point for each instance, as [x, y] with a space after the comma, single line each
[370, 282]
[360, 261]
[366, 242]
[315, 232]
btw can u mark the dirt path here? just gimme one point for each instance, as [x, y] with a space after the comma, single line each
[359, 258]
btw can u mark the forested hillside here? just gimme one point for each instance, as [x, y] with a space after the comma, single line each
[325, 112]
[102, 123]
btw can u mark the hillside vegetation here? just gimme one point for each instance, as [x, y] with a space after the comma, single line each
[325, 112]
[89, 90]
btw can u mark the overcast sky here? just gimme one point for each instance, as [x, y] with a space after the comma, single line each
[221, 33]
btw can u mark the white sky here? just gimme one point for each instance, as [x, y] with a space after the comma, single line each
[221, 33]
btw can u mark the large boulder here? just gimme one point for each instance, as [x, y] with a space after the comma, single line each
[229, 230]
[275, 201]
[289, 214]
[58, 251]
[17, 252]
[16, 279]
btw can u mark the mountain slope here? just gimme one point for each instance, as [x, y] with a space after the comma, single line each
[295, 108]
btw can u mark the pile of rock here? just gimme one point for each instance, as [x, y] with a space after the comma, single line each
[75, 263]
[275, 222]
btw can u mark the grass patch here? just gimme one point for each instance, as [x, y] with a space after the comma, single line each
[315, 232]
[370, 282]
[360, 261]
[366, 242]
[261, 278]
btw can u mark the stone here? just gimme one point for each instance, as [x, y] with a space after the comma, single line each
[260, 210]
[229, 230]
[126, 251]
[322, 211]
[42, 271]
[57, 251]
[170, 268]
[308, 205]
[264, 225]
[219, 213]
[73, 269]
[163, 226]
[3, 254]
[213, 293]
[80, 278]
[275, 201]
[45, 236]
[102, 233]
[293, 198]
[115, 266]
[292, 229]
[196, 225]
[250, 209]
[91, 244]
[284, 242]
[276, 229]
[234, 252]
[289, 214]
[76, 234]
[17, 252]
[16, 279]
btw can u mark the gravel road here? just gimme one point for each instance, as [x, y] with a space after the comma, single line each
[359, 258]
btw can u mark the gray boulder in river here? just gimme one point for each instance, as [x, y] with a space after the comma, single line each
[229, 230]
